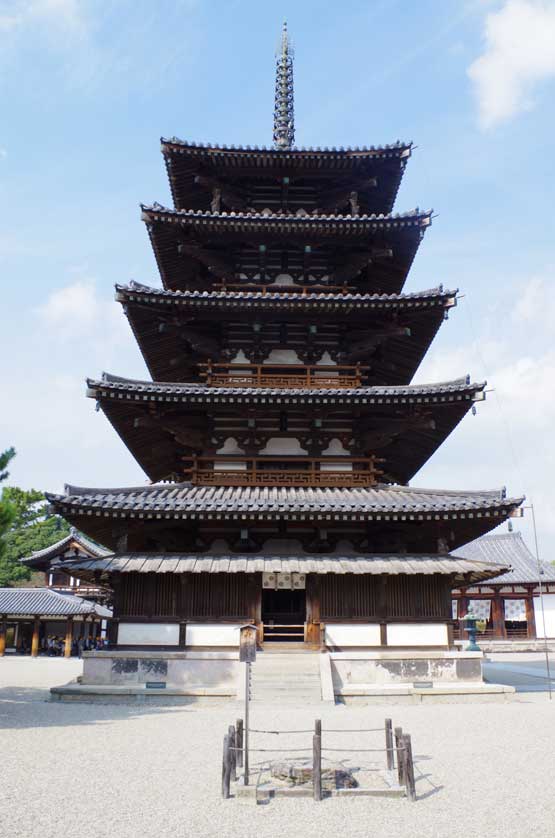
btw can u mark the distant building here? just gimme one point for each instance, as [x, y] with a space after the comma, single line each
[51, 561]
[29, 617]
[510, 603]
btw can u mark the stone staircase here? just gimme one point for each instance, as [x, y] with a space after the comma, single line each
[286, 677]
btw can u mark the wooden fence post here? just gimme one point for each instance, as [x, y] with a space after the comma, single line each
[400, 755]
[317, 760]
[239, 742]
[409, 769]
[390, 762]
[232, 752]
[226, 769]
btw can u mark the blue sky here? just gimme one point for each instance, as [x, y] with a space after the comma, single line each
[87, 89]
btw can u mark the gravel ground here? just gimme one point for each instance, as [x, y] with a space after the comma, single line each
[125, 771]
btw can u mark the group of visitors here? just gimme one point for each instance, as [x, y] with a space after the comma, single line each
[54, 645]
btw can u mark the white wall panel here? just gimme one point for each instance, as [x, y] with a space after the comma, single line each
[212, 634]
[549, 608]
[148, 634]
[352, 634]
[416, 634]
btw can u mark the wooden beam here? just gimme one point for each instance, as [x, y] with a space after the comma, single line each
[530, 615]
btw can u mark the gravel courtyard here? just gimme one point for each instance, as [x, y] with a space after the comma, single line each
[126, 771]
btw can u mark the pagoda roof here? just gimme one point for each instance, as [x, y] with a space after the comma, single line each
[169, 356]
[398, 237]
[283, 300]
[187, 502]
[239, 164]
[446, 391]
[403, 425]
[509, 548]
[41, 559]
[339, 561]
[346, 155]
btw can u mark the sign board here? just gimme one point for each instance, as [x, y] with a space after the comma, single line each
[247, 644]
[155, 685]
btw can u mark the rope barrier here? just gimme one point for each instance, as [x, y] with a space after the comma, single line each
[254, 730]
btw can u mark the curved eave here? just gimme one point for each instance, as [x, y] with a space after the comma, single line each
[251, 222]
[395, 237]
[233, 152]
[424, 416]
[168, 357]
[385, 164]
[467, 515]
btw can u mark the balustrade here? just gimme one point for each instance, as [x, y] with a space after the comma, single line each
[239, 470]
[283, 375]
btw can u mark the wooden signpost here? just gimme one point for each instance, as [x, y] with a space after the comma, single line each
[247, 655]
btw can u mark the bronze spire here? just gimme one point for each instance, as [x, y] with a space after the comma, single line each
[284, 114]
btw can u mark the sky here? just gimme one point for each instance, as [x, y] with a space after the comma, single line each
[87, 88]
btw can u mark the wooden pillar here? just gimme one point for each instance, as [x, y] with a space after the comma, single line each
[530, 615]
[498, 617]
[35, 638]
[2, 634]
[69, 637]
[254, 601]
[313, 609]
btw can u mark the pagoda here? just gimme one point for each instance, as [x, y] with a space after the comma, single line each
[280, 429]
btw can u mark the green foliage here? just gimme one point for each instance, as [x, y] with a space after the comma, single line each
[7, 512]
[30, 528]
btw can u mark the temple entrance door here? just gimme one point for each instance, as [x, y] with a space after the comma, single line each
[284, 615]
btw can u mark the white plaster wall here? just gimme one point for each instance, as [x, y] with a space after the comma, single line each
[230, 447]
[283, 445]
[415, 634]
[352, 634]
[282, 356]
[148, 634]
[336, 449]
[212, 634]
[549, 609]
[326, 361]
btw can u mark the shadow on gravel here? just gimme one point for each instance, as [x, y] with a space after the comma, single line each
[27, 707]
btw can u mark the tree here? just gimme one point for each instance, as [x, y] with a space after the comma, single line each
[29, 527]
[7, 512]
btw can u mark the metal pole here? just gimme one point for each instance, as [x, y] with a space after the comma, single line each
[546, 646]
[246, 730]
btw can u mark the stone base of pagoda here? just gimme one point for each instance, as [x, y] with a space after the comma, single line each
[164, 672]
[411, 675]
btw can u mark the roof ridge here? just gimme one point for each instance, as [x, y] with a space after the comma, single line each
[250, 216]
[297, 150]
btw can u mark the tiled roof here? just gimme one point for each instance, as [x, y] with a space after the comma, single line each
[397, 149]
[181, 500]
[45, 602]
[455, 390]
[284, 223]
[59, 547]
[282, 299]
[339, 562]
[508, 549]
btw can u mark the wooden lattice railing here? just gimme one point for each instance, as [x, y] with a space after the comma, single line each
[283, 375]
[305, 290]
[238, 470]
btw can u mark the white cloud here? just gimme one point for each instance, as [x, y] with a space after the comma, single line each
[519, 54]
[77, 311]
[509, 438]
[62, 13]
[3, 153]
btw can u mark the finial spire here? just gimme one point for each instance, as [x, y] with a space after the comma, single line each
[284, 114]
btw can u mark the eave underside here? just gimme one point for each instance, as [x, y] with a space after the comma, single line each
[404, 429]
[175, 335]
[245, 177]
[195, 250]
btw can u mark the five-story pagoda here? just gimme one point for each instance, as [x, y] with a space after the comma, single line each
[280, 429]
